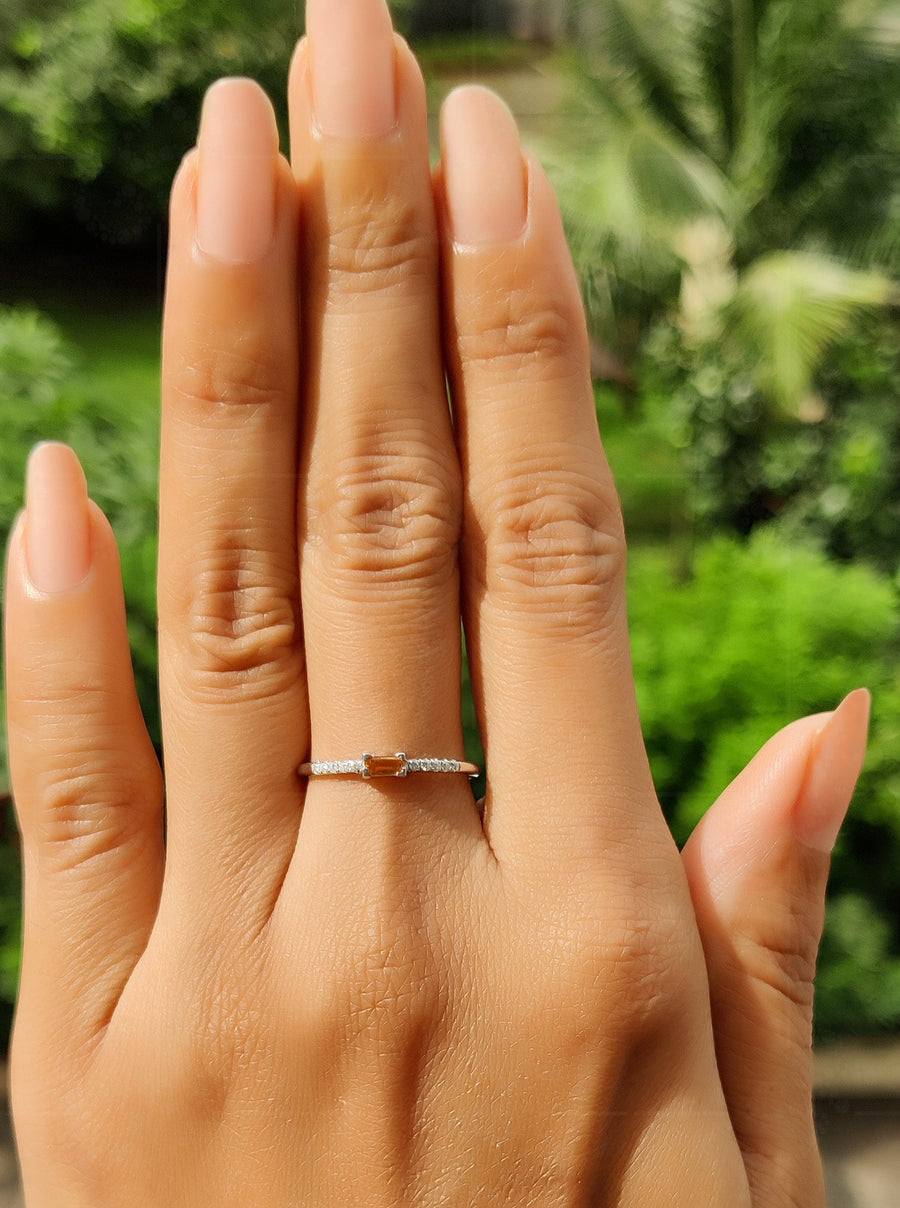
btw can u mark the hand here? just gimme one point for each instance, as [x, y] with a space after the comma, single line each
[338, 992]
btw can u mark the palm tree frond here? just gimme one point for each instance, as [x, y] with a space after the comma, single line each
[626, 205]
[653, 50]
[789, 307]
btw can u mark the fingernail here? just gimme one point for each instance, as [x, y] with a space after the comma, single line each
[353, 67]
[484, 172]
[237, 177]
[57, 521]
[834, 768]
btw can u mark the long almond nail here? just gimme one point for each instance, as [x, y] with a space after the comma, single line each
[834, 768]
[353, 67]
[484, 173]
[237, 178]
[57, 524]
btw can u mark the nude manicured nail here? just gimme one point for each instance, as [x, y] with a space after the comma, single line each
[353, 67]
[57, 524]
[237, 177]
[833, 771]
[484, 173]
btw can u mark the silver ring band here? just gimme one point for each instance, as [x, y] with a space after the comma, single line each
[372, 767]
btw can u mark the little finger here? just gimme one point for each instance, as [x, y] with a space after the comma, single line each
[86, 782]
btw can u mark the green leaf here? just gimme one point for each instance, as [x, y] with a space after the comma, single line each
[791, 306]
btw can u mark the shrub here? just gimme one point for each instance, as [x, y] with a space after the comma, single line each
[828, 471]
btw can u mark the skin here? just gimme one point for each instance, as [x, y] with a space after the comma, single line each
[339, 992]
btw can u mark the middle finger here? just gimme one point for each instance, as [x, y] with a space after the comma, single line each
[380, 512]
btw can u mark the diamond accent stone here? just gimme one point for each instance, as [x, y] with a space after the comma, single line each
[434, 765]
[384, 766]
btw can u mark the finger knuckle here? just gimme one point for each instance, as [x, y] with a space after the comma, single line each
[379, 244]
[240, 625]
[784, 961]
[563, 541]
[86, 801]
[88, 812]
[650, 966]
[243, 375]
[390, 519]
[519, 337]
[621, 961]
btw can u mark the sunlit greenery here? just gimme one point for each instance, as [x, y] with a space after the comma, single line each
[726, 185]
[99, 98]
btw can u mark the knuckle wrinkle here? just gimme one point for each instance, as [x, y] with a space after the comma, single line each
[246, 375]
[516, 337]
[567, 547]
[241, 627]
[396, 519]
[379, 245]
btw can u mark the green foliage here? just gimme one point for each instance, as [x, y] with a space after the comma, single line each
[759, 633]
[763, 632]
[743, 458]
[755, 122]
[10, 905]
[850, 500]
[789, 104]
[99, 99]
[859, 972]
[791, 307]
[650, 474]
[35, 365]
[830, 472]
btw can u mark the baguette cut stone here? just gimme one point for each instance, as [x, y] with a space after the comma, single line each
[385, 765]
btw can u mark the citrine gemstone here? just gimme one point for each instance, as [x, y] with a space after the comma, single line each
[384, 765]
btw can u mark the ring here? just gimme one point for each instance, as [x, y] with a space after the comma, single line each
[372, 767]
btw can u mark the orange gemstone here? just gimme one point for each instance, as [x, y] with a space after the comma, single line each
[384, 765]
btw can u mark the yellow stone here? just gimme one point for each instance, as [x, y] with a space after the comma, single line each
[384, 765]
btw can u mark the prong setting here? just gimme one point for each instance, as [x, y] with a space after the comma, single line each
[383, 766]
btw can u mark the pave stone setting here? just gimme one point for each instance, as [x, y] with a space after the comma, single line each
[377, 767]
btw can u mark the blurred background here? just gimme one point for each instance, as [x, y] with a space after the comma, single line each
[730, 178]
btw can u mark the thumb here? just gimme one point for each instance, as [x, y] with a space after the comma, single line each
[757, 865]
